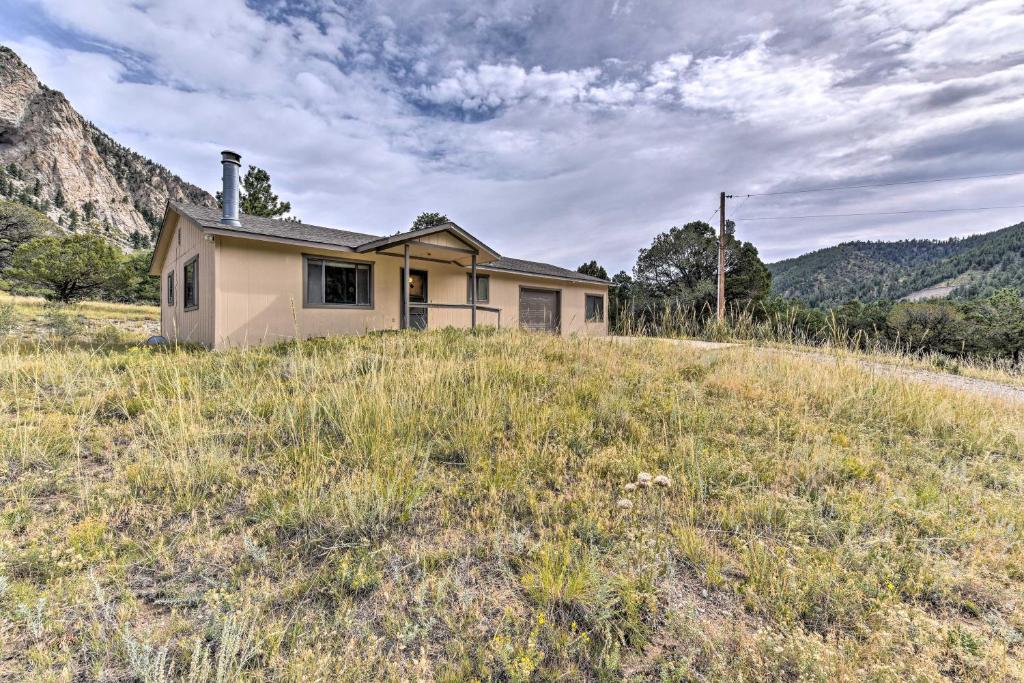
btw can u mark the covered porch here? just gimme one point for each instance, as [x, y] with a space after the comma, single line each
[443, 244]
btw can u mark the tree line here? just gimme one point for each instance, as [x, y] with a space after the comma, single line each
[990, 327]
[673, 288]
[976, 267]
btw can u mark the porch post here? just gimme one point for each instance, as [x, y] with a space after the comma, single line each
[405, 291]
[472, 293]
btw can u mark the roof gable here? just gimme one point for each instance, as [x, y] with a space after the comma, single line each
[430, 236]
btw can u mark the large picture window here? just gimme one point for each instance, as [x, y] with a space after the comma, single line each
[338, 283]
[483, 289]
[189, 283]
[595, 308]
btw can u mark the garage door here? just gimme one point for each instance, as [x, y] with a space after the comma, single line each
[539, 310]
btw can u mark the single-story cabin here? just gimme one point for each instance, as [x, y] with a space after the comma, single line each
[229, 279]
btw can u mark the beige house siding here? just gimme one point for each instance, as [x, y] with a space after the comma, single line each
[177, 324]
[259, 297]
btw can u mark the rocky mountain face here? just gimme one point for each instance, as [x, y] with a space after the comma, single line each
[55, 161]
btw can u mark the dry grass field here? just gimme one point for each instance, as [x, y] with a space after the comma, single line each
[30, 320]
[450, 506]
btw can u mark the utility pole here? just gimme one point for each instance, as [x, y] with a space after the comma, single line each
[721, 258]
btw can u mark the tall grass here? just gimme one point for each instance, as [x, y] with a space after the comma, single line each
[445, 506]
[757, 324]
[750, 322]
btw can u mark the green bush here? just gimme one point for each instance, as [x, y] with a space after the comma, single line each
[108, 336]
[63, 321]
[67, 268]
[9, 319]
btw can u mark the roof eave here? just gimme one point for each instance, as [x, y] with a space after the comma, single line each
[225, 231]
[244, 232]
[159, 248]
[564, 278]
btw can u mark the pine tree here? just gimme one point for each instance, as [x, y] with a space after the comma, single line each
[257, 197]
[593, 269]
[428, 219]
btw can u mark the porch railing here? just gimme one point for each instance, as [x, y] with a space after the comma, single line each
[465, 307]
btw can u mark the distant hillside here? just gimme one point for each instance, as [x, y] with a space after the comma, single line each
[54, 160]
[868, 271]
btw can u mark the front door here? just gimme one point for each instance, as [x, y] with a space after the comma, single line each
[417, 294]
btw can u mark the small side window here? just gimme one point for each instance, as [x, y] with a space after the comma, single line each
[483, 288]
[595, 308]
[170, 288]
[190, 283]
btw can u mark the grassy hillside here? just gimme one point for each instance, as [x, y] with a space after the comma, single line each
[452, 506]
[870, 271]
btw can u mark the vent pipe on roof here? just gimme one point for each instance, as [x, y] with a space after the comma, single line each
[231, 162]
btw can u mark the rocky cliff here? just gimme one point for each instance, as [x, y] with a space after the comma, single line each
[54, 160]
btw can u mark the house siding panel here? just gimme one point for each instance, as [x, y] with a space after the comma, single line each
[443, 239]
[196, 325]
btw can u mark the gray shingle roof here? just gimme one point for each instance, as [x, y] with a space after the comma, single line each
[544, 269]
[274, 227]
[317, 234]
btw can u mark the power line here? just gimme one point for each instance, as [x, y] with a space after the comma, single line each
[877, 213]
[901, 182]
[745, 200]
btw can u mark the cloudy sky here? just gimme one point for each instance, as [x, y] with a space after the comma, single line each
[564, 130]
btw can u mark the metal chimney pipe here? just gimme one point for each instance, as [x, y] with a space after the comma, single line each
[231, 162]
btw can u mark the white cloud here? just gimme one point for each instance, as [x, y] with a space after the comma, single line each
[497, 85]
[978, 34]
[560, 158]
[761, 85]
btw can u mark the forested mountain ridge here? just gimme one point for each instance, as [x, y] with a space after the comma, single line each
[973, 266]
[55, 161]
